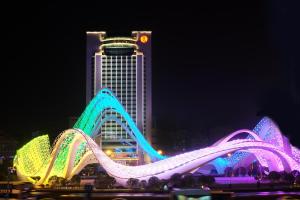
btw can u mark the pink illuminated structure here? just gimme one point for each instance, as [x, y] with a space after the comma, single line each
[275, 157]
[75, 148]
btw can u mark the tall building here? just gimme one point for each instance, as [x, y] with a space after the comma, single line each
[122, 64]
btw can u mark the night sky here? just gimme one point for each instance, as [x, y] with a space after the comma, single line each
[217, 67]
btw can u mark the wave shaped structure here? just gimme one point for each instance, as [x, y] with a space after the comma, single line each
[74, 149]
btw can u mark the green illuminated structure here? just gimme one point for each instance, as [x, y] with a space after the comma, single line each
[32, 159]
[74, 149]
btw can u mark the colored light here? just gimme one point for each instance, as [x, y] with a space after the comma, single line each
[108, 152]
[144, 39]
[97, 113]
[74, 149]
[33, 157]
[71, 139]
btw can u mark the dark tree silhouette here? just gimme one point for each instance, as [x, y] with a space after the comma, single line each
[228, 171]
[133, 183]
[274, 176]
[188, 180]
[75, 180]
[154, 183]
[287, 178]
[143, 184]
[175, 180]
[213, 172]
[105, 181]
[206, 180]
[297, 179]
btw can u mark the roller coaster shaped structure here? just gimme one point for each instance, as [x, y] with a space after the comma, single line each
[74, 149]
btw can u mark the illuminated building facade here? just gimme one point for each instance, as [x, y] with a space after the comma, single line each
[123, 65]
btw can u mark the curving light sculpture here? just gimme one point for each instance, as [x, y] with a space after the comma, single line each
[98, 112]
[74, 149]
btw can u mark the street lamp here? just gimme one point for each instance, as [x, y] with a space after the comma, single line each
[108, 152]
[160, 152]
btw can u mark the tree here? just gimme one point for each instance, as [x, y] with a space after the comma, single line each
[154, 183]
[274, 176]
[255, 169]
[211, 180]
[104, 181]
[236, 172]
[143, 184]
[297, 179]
[55, 181]
[133, 183]
[228, 171]
[287, 178]
[61, 181]
[243, 171]
[213, 172]
[36, 178]
[295, 173]
[188, 180]
[164, 184]
[111, 181]
[175, 180]
[75, 180]
[206, 180]
[52, 181]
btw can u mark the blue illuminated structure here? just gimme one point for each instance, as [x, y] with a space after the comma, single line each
[96, 114]
[74, 149]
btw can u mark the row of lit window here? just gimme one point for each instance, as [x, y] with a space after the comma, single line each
[119, 80]
[125, 90]
[130, 85]
[116, 75]
[123, 80]
[118, 90]
[105, 137]
[114, 123]
[129, 88]
[114, 86]
[109, 59]
[126, 98]
[114, 64]
[104, 75]
[119, 69]
[118, 57]
[124, 64]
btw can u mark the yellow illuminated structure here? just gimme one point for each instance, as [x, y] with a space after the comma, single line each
[32, 159]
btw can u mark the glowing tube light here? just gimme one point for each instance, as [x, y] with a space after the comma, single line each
[74, 149]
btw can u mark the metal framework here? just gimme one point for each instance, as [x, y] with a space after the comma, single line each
[74, 149]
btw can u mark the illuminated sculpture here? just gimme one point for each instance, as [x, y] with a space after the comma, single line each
[96, 114]
[74, 149]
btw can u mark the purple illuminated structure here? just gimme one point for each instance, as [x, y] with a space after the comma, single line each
[74, 149]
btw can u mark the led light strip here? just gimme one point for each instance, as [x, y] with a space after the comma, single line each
[73, 149]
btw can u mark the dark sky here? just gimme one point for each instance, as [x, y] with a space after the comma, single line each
[217, 66]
